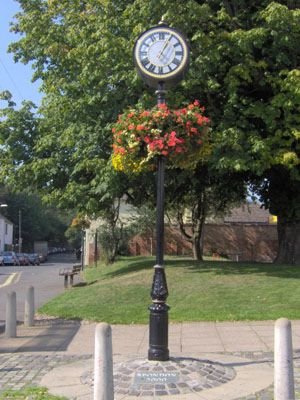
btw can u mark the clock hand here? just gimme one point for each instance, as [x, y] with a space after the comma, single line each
[164, 46]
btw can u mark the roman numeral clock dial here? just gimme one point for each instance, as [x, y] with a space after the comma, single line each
[161, 54]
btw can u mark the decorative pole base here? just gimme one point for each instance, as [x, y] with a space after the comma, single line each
[158, 326]
[158, 346]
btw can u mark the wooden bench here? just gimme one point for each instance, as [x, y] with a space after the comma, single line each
[69, 273]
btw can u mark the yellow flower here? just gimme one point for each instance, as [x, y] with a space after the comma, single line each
[117, 162]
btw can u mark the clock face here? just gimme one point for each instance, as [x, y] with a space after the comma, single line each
[161, 53]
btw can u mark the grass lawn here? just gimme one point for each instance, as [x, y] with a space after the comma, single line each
[35, 393]
[198, 291]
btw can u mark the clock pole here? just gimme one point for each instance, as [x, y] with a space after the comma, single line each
[161, 56]
[158, 326]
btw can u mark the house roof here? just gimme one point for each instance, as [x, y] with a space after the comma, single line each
[5, 219]
[248, 213]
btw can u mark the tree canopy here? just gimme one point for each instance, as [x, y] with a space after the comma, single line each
[244, 69]
[33, 220]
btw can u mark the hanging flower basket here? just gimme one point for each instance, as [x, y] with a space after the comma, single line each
[139, 136]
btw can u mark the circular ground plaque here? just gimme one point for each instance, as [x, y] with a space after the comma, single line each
[141, 377]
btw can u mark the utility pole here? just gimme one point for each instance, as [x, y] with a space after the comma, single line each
[20, 231]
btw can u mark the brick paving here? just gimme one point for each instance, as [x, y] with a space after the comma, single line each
[28, 359]
[212, 377]
[138, 377]
[19, 370]
[22, 369]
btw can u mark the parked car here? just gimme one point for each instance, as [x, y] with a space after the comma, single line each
[10, 258]
[42, 258]
[34, 258]
[23, 259]
[1, 260]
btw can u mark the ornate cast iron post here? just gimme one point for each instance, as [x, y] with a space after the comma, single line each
[158, 326]
[161, 56]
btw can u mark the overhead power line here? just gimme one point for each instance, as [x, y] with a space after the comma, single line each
[12, 80]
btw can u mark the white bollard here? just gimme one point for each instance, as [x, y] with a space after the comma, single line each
[283, 361]
[11, 315]
[29, 307]
[103, 363]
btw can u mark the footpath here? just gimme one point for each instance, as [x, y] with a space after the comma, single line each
[209, 361]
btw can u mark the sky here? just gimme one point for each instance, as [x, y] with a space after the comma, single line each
[15, 77]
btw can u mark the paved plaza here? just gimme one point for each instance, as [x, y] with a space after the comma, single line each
[209, 361]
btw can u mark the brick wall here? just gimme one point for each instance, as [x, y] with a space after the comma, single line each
[240, 242]
[243, 242]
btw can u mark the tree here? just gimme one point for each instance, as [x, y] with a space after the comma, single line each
[18, 133]
[82, 94]
[198, 196]
[111, 189]
[279, 189]
[258, 127]
[37, 221]
[244, 68]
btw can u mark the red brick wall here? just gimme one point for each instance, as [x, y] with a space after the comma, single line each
[175, 244]
[247, 242]
[93, 253]
[240, 242]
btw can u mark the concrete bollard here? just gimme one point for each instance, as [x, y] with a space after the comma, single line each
[29, 307]
[11, 315]
[283, 361]
[103, 363]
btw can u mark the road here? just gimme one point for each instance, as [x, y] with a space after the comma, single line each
[44, 278]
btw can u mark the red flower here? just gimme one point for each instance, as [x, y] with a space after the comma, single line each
[145, 113]
[120, 150]
[172, 139]
[162, 106]
[157, 144]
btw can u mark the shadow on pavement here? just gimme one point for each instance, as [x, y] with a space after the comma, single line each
[54, 337]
